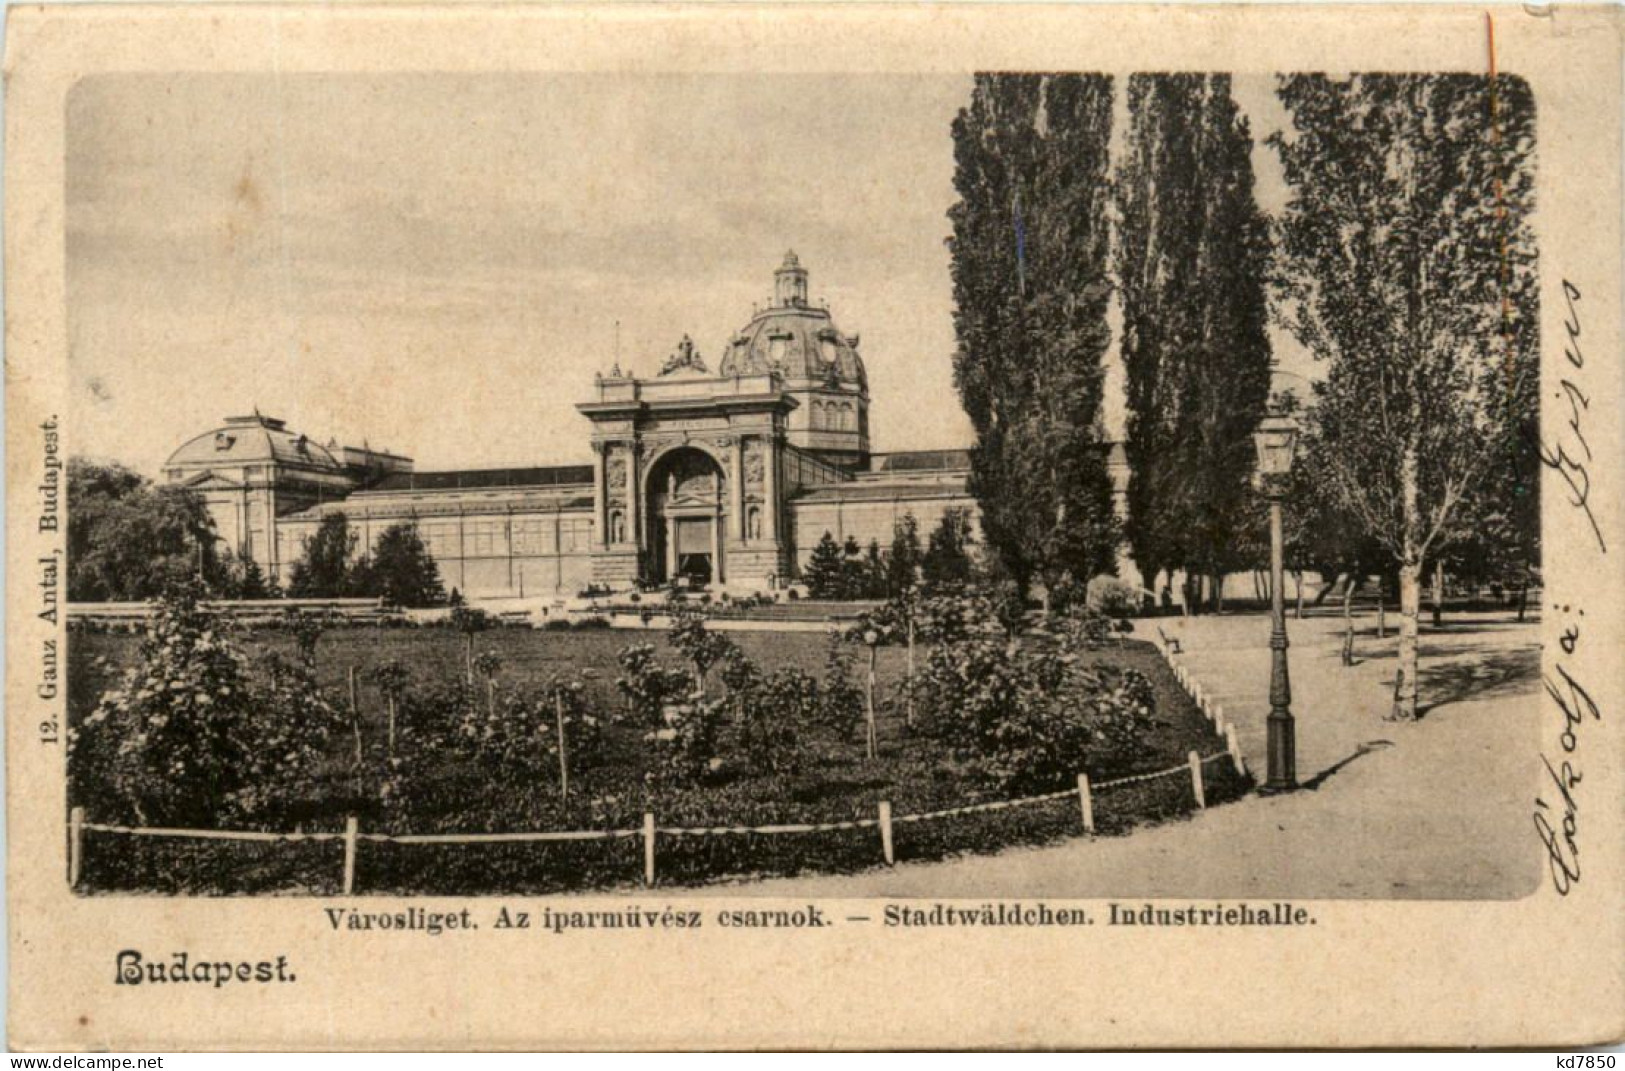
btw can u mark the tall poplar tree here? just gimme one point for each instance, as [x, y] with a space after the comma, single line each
[1192, 261]
[1409, 268]
[1030, 261]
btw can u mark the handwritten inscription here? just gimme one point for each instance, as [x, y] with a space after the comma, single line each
[1557, 808]
[1570, 454]
[1557, 814]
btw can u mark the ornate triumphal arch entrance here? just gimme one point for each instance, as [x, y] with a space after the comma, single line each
[686, 496]
[688, 476]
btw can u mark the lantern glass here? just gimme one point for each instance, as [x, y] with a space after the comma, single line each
[1276, 440]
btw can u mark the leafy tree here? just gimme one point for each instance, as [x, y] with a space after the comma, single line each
[130, 540]
[824, 572]
[904, 560]
[1408, 264]
[360, 579]
[947, 556]
[324, 569]
[1319, 534]
[874, 574]
[404, 573]
[1030, 272]
[1192, 262]
[251, 582]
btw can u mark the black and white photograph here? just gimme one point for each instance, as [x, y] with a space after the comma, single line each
[1054, 484]
[813, 527]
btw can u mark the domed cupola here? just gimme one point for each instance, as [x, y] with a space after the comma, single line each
[793, 338]
[820, 366]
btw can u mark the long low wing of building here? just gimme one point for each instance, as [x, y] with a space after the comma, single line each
[725, 478]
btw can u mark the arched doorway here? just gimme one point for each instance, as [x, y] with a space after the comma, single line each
[687, 516]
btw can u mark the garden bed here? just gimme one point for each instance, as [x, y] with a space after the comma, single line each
[829, 781]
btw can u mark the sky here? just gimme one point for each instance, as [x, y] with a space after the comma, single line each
[438, 264]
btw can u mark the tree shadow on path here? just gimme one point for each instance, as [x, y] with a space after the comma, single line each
[1492, 676]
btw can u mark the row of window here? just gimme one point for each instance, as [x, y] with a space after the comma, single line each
[478, 538]
[834, 416]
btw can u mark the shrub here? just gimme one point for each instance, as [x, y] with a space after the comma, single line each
[561, 717]
[648, 686]
[307, 629]
[684, 747]
[840, 700]
[287, 740]
[767, 709]
[190, 739]
[587, 624]
[1030, 720]
[770, 716]
[950, 613]
[456, 753]
[1112, 597]
[1085, 628]
[702, 647]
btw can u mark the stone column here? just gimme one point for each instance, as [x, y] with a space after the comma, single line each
[600, 492]
[632, 510]
[739, 488]
[671, 547]
[716, 547]
[770, 486]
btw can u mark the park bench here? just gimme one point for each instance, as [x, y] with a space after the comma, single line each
[1170, 642]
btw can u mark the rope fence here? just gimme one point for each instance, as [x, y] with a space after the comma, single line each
[1210, 709]
[650, 833]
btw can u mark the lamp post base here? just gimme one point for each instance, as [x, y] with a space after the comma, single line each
[1282, 753]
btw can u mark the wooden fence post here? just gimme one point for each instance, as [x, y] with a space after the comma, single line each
[351, 827]
[76, 845]
[1196, 779]
[885, 833]
[648, 848]
[1234, 743]
[1086, 802]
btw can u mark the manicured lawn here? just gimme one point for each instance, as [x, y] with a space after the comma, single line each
[830, 781]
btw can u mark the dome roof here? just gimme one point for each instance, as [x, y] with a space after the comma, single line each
[793, 338]
[253, 440]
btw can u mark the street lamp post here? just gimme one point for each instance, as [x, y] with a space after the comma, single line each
[1276, 440]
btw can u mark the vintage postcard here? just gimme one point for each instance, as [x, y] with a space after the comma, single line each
[814, 527]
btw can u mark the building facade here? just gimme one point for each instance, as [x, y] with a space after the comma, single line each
[726, 477]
